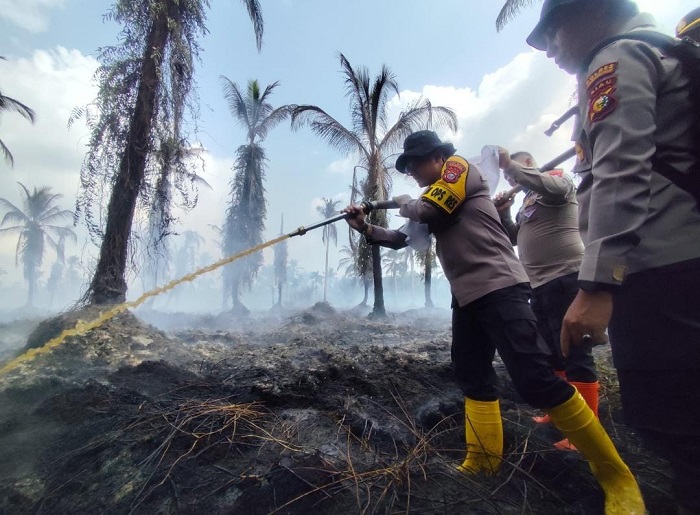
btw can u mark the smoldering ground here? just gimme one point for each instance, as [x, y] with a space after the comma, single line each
[316, 410]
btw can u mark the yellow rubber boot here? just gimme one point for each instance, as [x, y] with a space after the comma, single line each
[544, 419]
[576, 420]
[484, 436]
[589, 392]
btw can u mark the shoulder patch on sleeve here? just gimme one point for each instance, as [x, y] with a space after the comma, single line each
[557, 173]
[601, 105]
[601, 86]
[451, 189]
[603, 71]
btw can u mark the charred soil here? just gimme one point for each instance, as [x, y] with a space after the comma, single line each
[309, 412]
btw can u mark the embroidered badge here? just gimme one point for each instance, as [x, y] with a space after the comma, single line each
[453, 171]
[601, 85]
[556, 173]
[603, 71]
[601, 105]
[529, 211]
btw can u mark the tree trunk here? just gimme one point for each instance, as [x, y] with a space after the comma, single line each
[325, 275]
[31, 283]
[378, 310]
[109, 283]
[279, 293]
[428, 279]
[365, 284]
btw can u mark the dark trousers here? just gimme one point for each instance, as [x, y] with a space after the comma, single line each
[503, 320]
[683, 454]
[550, 302]
[655, 339]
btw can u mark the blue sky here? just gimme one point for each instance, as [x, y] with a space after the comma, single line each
[447, 50]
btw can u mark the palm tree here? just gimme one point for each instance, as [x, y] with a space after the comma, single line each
[330, 232]
[10, 104]
[427, 261]
[145, 88]
[35, 226]
[394, 265]
[315, 279]
[245, 216]
[355, 266]
[370, 138]
[56, 274]
[509, 10]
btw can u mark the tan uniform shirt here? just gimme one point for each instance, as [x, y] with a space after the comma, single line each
[472, 245]
[546, 227]
[634, 102]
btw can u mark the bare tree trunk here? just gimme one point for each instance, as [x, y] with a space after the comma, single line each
[109, 283]
[428, 279]
[365, 284]
[325, 275]
[31, 283]
[378, 310]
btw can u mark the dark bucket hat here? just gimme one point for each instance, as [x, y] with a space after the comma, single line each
[536, 37]
[419, 144]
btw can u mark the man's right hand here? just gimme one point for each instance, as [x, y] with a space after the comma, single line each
[502, 201]
[356, 220]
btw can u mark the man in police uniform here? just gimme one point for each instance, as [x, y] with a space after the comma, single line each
[689, 26]
[550, 248]
[640, 229]
[491, 312]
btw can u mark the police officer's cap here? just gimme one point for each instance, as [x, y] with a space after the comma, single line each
[536, 38]
[689, 22]
[420, 144]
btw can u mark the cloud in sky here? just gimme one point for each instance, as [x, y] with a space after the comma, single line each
[31, 15]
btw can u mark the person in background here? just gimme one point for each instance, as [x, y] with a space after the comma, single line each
[490, 311]
[550, 248]
[639, 221]
[689, 26]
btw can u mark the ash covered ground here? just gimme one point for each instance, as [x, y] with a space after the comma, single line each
[315, 411]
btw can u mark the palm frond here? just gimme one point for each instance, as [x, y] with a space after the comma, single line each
[421, 114]
[255, 13]
[6, 153]
[10, 104]
[509, 10]
[384, 84]
[236, 103]
[272, 120]
[328, 128]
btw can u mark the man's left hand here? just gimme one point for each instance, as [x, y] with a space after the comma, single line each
[589, 314]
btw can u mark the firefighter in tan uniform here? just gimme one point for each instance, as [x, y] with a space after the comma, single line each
[491, 312]
[550, 248]
[640, 228]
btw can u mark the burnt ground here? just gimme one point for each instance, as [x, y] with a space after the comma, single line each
[291, 413]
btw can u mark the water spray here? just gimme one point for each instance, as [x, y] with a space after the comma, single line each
[83, 327]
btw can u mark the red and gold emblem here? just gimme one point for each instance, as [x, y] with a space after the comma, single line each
[453, 171]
